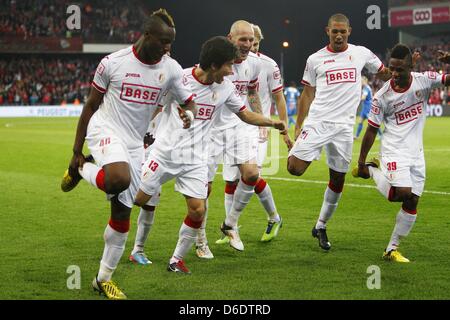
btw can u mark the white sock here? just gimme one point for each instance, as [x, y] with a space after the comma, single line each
[114, 247]
[404, 223]
[201, 237]
[229, 197]
[186, 239]
[89, 173]
[144, 225]
[266, 198]
[241, 198]
[329, 205]
[381, 182]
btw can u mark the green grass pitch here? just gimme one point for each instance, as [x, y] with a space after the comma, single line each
[43, 231]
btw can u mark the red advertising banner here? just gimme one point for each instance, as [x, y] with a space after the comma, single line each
[19, 44]
[419, 16]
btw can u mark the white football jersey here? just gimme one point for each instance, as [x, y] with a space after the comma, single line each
[191, 145]
[244, 77]
[337, 79]
[269, 82]
[133, 90]
[403, 113]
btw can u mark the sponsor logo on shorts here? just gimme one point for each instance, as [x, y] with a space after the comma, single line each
[409, 114]
[204, 111]
[341, 75]
[139, 93]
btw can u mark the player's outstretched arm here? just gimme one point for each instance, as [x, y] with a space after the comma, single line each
[93, 102]
[367, 143]
[384, 74]
[304, 103]
[444, 56]
[257, 119]
[280, 102]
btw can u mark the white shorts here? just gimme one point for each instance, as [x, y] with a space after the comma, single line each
[405, 172]
[335, 137]
[191, 179]
[231, 147]
[107, 147]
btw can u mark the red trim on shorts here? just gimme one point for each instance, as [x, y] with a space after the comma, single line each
[193, 224]
[96, 86]
[373, 124]
[260, 185]
[249, 183]
[409, 211]
[230, 188]
[122, 226]
[334, 188]
[391, 193]
[100, 180]
[277, 89]
[381, 67]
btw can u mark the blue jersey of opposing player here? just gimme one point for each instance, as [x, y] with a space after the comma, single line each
[366, 99]
[292, 95]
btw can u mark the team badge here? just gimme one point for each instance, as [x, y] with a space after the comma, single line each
[246, 72]
[350, 58]
[161, 78]
[419, 94]
[214, 96]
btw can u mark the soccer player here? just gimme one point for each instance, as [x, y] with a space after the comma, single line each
[270, 88]
[331, 95]
[127, 87]
[239, 141]
[292, 94]
[366, 103]
[401, 105]
[183, 154]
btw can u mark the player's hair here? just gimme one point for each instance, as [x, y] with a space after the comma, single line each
[257, 31]
[400, 51]
[217, 50]
[156, 18]
[339, 17]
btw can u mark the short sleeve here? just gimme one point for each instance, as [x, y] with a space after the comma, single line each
[180, 86]
[376, 112]
[234, 101]
[253, 84]
[274, 79]
[434, 79]
[309, 75]
[102, 75]
[372, 62]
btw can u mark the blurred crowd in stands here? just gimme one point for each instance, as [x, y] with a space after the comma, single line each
[49, 80]
[105, 21]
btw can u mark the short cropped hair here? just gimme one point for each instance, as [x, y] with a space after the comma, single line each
[217, 50]
[257, 31]
[400, 51]
[339, 17]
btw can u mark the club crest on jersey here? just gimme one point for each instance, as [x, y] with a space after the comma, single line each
[246, 72]
[350, 58]
[214, 96]
[139, 93]
[341, 75]
[161, 78]
[419, 94]
[409, 114]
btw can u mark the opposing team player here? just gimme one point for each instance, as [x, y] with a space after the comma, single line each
[127, 87]
[292, 94]
[401, 105]
[332, 93]
[183, 154]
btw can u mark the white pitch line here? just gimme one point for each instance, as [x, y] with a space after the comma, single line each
[347, 184]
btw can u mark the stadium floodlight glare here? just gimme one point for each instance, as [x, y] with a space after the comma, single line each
[285, 44]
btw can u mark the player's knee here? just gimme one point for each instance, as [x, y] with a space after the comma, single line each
[402, 195]
[197, 211]
[294, 169]
[251, 177]
[116, 183]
